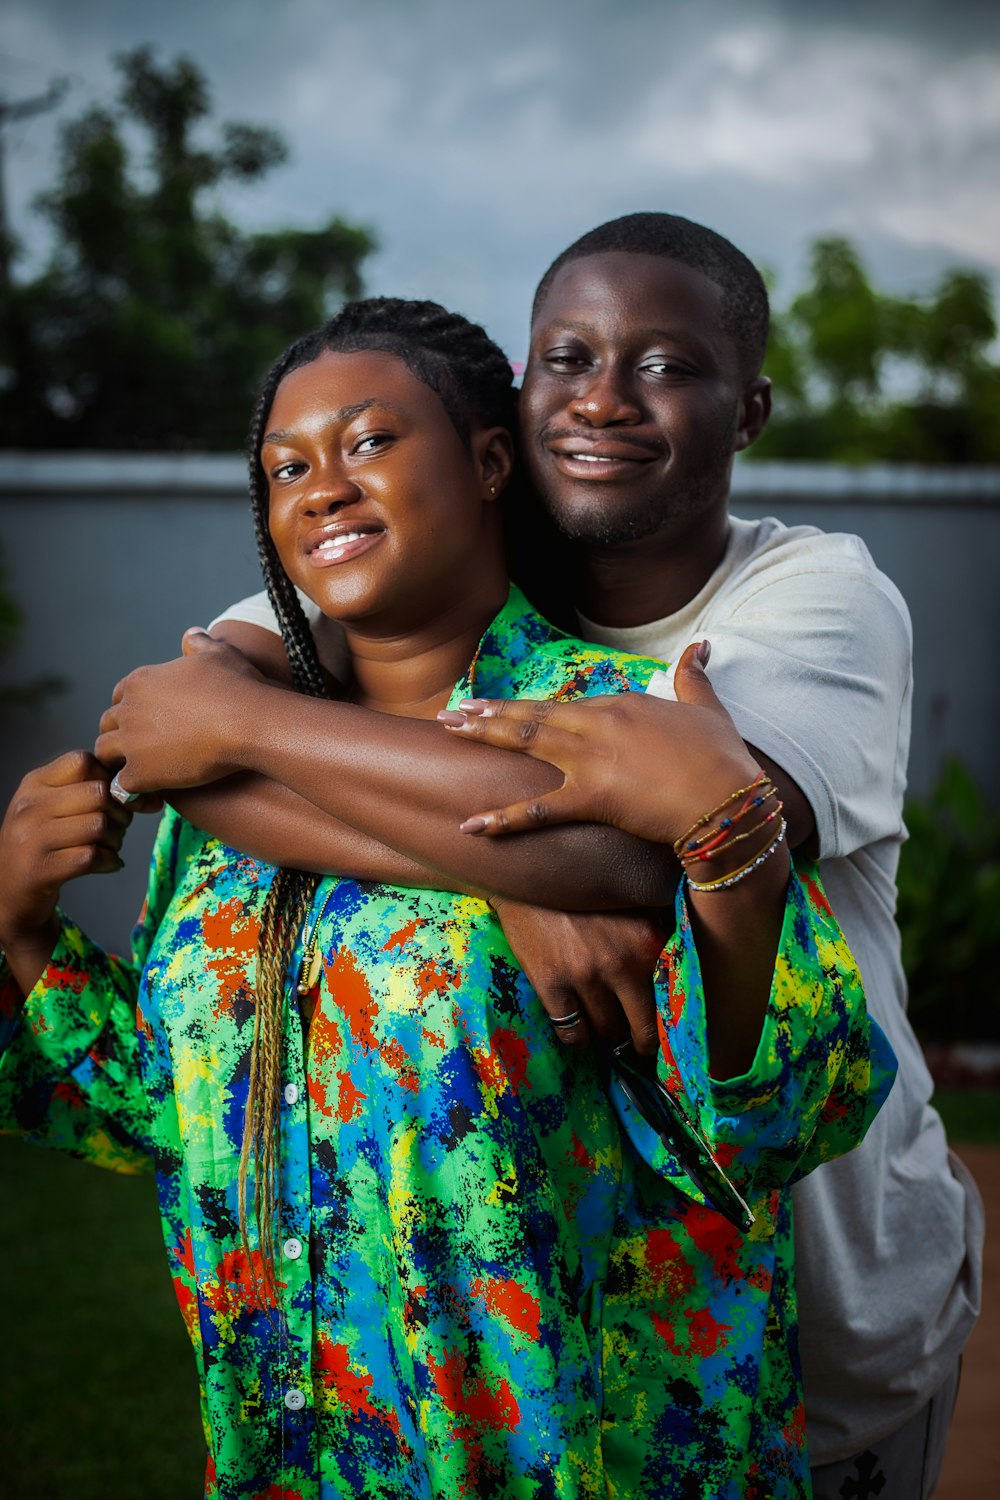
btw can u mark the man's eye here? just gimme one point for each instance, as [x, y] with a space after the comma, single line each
[371, 442]
[564, 359]
[663, 367]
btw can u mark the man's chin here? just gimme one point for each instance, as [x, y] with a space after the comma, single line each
[603, 524]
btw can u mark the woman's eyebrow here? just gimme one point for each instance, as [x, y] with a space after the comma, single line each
[339, 414]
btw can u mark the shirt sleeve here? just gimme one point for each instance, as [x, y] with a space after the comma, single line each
[822, 1069]
[70, 1074]
[328, 634]
[815, 667]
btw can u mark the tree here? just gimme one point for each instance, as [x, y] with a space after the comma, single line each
[862, 376]
[156, 316]
[20, 694]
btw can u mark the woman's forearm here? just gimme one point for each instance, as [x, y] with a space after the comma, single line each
[577, 868]
[405, 783]
[264, 819]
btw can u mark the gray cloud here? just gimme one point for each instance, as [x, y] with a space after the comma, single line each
[479, 140]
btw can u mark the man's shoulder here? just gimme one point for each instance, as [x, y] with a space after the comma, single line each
[804, 561]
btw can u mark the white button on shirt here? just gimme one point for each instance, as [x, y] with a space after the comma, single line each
[291, 1093]
[292, 1249]
[295, 1399]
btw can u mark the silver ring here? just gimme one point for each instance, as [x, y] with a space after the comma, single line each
[565, 1022]
[120, 794]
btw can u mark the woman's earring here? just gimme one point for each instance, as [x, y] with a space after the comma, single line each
[493, 491]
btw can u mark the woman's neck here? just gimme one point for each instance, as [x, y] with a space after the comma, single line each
[412, 672]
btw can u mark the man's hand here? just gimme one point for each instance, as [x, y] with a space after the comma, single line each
[634, 761]
[179, 724]
[61, 823]
[597, 965]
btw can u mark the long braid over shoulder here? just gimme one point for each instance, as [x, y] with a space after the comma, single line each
[474, 381]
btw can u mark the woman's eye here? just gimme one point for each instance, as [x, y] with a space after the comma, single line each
[287, 471]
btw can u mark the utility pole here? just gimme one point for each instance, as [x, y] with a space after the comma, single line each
[12, 111]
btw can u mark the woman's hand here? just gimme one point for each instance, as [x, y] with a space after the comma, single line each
[180, 723]
[61, 823]
[594, 965]
[642, 764]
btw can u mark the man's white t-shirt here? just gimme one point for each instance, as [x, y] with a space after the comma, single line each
[811, 654]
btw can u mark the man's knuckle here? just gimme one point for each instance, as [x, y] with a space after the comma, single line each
[23, 802]
[572, 1037]
[646, 1037]
[98, 826]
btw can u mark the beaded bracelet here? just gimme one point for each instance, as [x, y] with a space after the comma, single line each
[707, 817]
[741, 874]
[727, 839]
[762, 786]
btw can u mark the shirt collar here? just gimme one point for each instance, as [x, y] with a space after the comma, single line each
[514, 634]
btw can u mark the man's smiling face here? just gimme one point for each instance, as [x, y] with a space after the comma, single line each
[634, 399]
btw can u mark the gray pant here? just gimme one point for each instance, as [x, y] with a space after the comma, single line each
[903, 1466]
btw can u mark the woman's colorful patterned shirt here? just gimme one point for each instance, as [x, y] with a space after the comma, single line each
[488, 1286]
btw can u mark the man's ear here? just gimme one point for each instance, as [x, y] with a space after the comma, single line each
[754, 412]
[493, 453]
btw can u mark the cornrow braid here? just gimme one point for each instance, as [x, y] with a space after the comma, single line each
[474, 380]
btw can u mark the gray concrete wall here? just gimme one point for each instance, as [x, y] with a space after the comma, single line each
[110, 557]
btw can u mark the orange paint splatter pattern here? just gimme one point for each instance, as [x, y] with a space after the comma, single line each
[484, 1286]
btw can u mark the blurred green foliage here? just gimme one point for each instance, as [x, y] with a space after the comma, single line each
[949, 911]
[156, 316]
[19, 694]
[863, 377]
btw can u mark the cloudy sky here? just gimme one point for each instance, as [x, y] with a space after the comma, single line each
[479, 139]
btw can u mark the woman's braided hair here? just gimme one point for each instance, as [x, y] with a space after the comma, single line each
[474, 381]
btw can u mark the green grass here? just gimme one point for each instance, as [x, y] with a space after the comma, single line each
[98, 1390]
[98, 1393]
[970, 1115]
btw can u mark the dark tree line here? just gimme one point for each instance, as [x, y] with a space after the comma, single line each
[862, 376]
[156, 316]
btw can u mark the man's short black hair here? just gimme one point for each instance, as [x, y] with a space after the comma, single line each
[745, 310]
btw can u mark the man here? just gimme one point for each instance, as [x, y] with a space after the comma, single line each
[642, 382]
[634, 401]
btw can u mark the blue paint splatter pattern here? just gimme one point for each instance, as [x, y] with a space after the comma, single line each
[493, 1281]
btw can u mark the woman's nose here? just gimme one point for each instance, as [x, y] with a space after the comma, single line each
[605, 398]
[330, 492]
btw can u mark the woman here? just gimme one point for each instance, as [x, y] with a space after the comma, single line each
[416, 1252]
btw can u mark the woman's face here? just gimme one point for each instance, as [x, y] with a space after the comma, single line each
[377, 509]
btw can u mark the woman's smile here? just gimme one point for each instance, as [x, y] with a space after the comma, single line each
[341, 541]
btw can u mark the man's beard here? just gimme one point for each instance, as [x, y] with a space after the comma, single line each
[601, 525]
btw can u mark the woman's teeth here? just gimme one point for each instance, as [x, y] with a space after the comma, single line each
[340, 541]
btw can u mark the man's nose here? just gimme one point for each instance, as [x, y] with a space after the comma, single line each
[605, 398]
